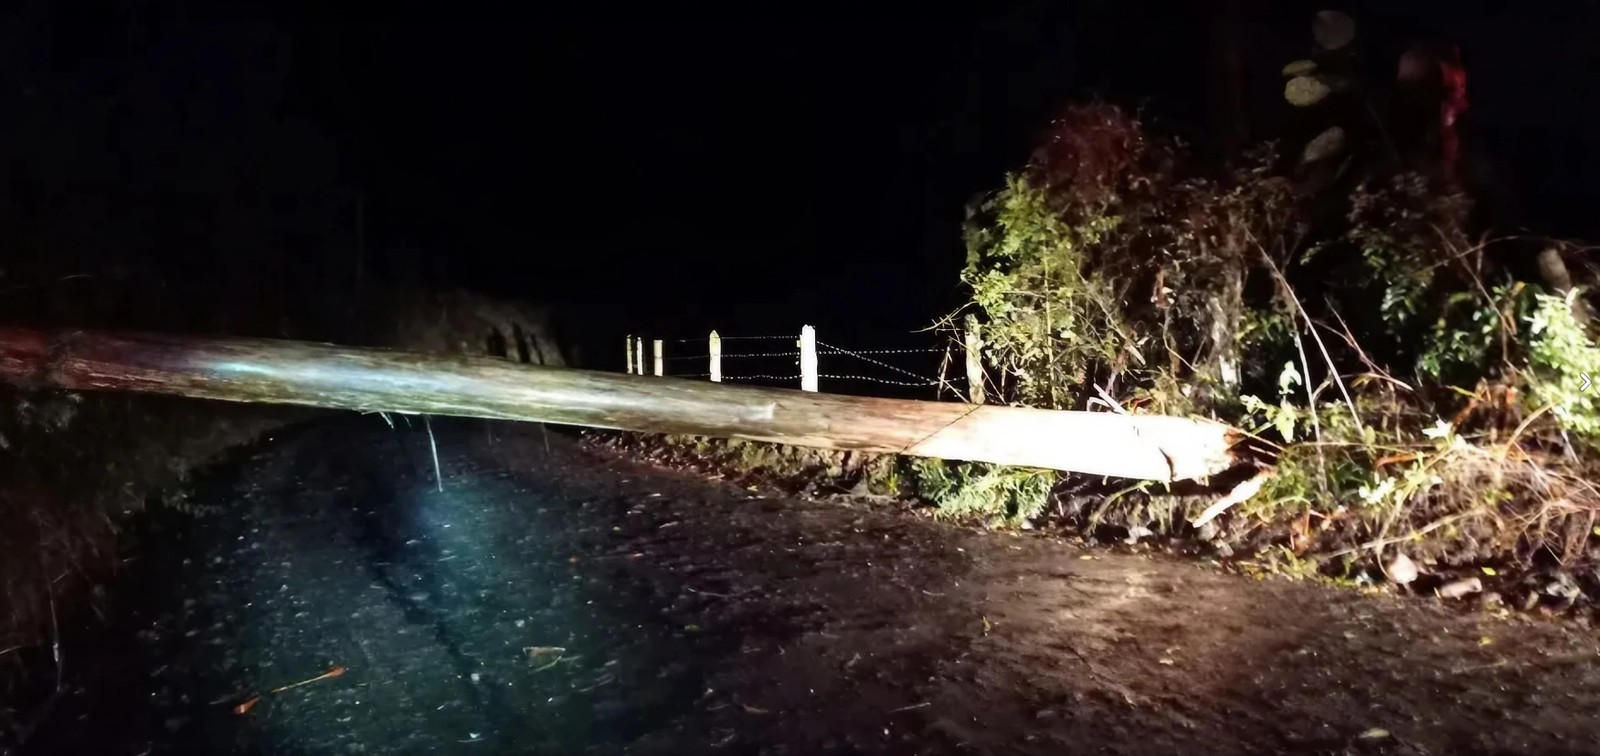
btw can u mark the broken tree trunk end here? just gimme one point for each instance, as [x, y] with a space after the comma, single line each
[1144, 447]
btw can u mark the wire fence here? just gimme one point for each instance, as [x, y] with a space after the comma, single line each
[804, 361]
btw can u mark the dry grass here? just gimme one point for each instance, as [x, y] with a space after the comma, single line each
[1496, 502]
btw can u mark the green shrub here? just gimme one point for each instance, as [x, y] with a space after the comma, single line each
[994, 494]
[1562, 359]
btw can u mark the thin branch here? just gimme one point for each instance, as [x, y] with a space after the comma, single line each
[1333, 370]
[438, 476]
[1426, 529]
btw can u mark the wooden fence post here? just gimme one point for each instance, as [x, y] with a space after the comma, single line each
[975, 390]
[638, 353]
[630, 355]
[716, 357]
[808, 359]
[659, 360]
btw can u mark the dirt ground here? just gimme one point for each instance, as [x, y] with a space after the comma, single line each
[556, 599]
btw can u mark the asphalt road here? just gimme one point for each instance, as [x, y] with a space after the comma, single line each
[456, 618]
[541, 598]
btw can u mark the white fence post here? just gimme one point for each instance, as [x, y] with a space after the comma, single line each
[716, 358]
[630, 355]
[974, 341]
[659, 360]
[638, 353]
[808, 359]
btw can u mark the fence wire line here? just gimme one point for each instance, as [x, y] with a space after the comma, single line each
[832, 350]
[822, 348]
[761, 354]
[885, 381]
[866, 378]
[755, 377]
[879, 363]
[735, 354]
[791, 337]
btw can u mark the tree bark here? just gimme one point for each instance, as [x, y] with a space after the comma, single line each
[1554, 271]
[1145, 447]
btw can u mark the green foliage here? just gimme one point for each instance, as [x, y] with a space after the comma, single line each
[1465, 336]
[886, 475]
[1028, 273]
[1414, 258]
[1107, 266]
[995, 494]
[1560, 355]
[1100, 266]
[1284, 416]
[1266, 336]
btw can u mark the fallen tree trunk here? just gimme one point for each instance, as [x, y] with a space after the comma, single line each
[1146, 447]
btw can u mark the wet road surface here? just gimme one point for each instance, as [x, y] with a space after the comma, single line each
[551, 600]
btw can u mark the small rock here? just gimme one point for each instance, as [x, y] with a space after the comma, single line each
[1138, 532]
[1222, 549]
[1401, 569]
[1492, 600]
[1458, 588]
[1207, 532]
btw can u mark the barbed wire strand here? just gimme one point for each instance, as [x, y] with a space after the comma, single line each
[794, 337]
[879, 363]
[829, 376]
[835, 350]
[885, 381]
[761, 354]
[732, 355]
[758, 377]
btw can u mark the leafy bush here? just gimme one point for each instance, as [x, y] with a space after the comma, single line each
[1417, 394]
[1333, 304]
[995, 494]
[1102, 266]
[1029, 277]
[1562, 360]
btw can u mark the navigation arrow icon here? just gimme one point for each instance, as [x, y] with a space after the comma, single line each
[1585, 377]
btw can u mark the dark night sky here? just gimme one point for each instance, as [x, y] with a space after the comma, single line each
[720, 162]
[750, 170]
[821, 157]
